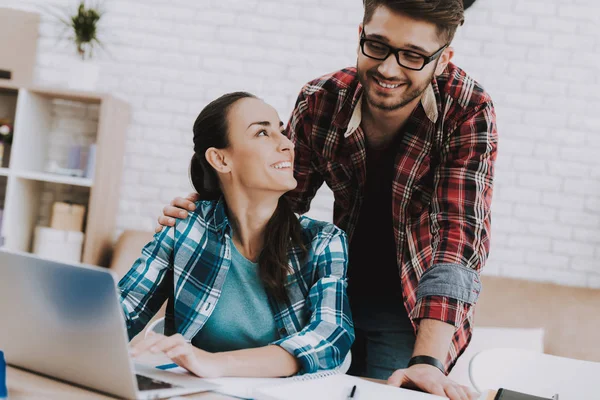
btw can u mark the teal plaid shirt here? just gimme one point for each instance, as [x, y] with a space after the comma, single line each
[188, 265]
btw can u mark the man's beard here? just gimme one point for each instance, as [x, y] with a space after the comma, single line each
[410, 95]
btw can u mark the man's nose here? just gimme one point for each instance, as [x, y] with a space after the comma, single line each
[389, 68]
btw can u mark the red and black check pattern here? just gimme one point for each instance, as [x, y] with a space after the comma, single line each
[442, 189]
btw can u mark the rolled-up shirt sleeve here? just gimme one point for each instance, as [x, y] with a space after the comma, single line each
[143, 290]
[325, 341]
[460, 215]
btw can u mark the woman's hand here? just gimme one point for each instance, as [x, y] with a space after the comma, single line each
[178, 349]
[177, 209]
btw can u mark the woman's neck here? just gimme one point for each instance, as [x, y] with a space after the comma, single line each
[249, 218]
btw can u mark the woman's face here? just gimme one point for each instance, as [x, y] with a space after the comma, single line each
[259, 155]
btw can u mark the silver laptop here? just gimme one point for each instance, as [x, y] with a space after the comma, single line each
[65, 321]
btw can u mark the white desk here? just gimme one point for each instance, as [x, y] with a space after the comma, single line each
[23, 385]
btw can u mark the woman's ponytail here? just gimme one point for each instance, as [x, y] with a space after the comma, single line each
[204, 179]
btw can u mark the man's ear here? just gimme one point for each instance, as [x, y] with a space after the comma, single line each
[444, 59]
[360, 30]
[216, 159]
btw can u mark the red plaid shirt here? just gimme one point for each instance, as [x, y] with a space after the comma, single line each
[442, 189]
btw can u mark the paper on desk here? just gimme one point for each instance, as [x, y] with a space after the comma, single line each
[338, 387]
[237, 387]
[243, 387]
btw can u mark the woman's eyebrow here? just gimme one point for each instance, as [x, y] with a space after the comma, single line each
[262, 123]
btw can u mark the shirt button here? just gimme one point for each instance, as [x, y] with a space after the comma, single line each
[282, 332]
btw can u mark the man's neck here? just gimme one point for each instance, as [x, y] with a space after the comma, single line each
[382, 126]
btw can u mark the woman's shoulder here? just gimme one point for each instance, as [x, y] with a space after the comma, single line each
[201, 216]
[317, 230]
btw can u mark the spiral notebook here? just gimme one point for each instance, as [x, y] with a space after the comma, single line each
[246, 388]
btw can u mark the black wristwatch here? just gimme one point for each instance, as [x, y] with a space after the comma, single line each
[427, 360]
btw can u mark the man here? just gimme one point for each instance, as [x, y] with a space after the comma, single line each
[407, 143]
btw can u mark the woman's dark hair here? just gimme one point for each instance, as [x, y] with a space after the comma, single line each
[211, 130]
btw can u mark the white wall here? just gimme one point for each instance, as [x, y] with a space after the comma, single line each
[539, 60]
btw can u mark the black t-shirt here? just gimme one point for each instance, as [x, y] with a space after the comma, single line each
[373, 274]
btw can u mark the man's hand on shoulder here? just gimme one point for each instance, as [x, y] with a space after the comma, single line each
[177, 210]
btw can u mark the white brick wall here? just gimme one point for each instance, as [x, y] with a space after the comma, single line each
[538, 59]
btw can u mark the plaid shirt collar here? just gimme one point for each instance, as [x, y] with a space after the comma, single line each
[349, 114]
[219, 218]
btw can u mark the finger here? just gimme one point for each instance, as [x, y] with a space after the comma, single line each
[463, 391]
[158, 228]
[183, 203]
[453, 393]
[472, 395]
[179, 352]
[166, 221]
[397, 378]
[175, 344]
[193, 197]
[167, 343]
[174, 211]
[186, 361]
[145, 344]
[434, 388]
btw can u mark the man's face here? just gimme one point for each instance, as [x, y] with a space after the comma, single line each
[387, 85]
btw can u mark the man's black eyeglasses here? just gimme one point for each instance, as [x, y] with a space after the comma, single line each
[406, 58]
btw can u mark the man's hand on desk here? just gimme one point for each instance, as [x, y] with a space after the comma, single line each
[197, 361]
[431, 380]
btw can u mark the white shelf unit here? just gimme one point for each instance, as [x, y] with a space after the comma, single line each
[54, 178]
[27, 178]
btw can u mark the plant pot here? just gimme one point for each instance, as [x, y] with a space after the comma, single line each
[83, 75]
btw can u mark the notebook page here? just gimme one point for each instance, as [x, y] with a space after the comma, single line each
[338, 387]
[244, 387]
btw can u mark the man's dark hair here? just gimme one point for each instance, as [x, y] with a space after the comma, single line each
[447, 15]
[468, 3]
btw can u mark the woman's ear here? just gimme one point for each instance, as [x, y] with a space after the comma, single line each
[216, 159]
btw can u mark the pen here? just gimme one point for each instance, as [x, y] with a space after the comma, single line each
[167, 366]
[351, 395]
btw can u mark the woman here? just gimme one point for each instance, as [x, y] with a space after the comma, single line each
[252, 289]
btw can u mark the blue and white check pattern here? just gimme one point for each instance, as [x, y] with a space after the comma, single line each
[315, 323]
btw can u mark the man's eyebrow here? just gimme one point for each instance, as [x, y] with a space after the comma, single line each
[415, 47]
[407, 46]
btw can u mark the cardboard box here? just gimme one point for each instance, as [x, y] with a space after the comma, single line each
[59, 245]
[67, 217]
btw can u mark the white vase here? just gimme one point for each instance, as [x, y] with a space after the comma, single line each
[83, 75]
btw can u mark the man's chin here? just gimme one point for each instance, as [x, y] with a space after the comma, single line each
[385, 105]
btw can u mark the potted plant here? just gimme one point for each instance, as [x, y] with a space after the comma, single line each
[81, 28]
[6, 136]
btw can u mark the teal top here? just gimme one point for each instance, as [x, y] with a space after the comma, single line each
[242, 317]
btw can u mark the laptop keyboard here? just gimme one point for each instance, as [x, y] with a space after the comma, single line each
[145, 383]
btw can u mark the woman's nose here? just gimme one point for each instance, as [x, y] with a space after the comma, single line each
[285, 143]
